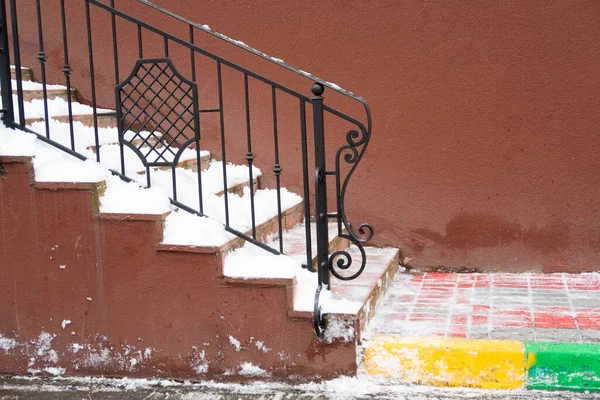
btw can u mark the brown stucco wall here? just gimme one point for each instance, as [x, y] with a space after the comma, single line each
[170, 311]
[484, 152]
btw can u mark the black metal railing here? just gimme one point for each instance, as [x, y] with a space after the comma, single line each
[158, 117]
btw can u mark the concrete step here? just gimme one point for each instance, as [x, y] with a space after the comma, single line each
[38, 94]
[26, 73]
[105, 119]
[294, 241]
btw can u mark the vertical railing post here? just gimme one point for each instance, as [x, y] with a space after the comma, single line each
[8, 116]
[320, 186]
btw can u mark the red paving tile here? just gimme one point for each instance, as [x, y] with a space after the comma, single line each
[475, 305]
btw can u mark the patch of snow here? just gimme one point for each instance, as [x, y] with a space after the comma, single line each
[16, 143]
[249, 369]
[261, 346]
[128, 197]
[235, 343]
[182, 228]
[199, 363]
[88, 298]
[254, 262]
[333, 85]
[76, 347]
[65, 323]
[30, 85]
[56, 107]
[7, 344]
[56, 371]
[43, 349]
[53, 165]
[62, 266]
[339, 328]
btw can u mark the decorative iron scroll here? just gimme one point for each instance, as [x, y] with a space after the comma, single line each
[351, 153]
[155, 98]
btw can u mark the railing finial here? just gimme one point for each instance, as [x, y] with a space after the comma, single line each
[317, 89]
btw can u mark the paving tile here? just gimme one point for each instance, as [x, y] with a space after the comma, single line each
[510, 333]
[557, 335]
[592, 336]
[497, 306]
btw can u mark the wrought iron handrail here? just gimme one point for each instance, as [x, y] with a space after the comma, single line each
[260, 54]
[140, 102]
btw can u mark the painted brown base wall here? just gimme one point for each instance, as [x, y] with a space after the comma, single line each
[82, 293]
[485, 147]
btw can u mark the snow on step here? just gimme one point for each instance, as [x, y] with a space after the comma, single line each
[122, 197]
[34, 109]
[184, 229]
[50, 164]
[251, 262]
[294, 240]
[212, 180]
[30, 85]
[110, 152]
[84, 135]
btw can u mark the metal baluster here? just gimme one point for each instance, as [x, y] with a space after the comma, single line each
[92, 79]
[198, 158]
[192, 54]
[306, 188]
[199, 173]
[174, 178]
[113, 23]
[8, 116]
[166, 41]
[277, 169]
[140, 42]
[222, 120]
[250, 156]
[18, 72]
[42, 59]
[320, 187]
[67, 71]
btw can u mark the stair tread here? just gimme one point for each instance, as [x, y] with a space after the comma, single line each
[294, 240]
[57, 107]
[348, 298]
[36, 86]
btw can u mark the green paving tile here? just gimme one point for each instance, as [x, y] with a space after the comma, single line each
[563, 366]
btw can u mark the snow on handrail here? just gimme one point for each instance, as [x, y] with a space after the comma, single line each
[244, 46]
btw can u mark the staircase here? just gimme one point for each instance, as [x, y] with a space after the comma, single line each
[154, 258]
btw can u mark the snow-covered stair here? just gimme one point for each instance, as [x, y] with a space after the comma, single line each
[240, 265]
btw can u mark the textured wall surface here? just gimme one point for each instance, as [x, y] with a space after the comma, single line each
[484, 152]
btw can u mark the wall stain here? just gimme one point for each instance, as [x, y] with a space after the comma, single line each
[473, 230]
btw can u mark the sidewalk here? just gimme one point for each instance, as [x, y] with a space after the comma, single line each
[489, 330]
[26, 388]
